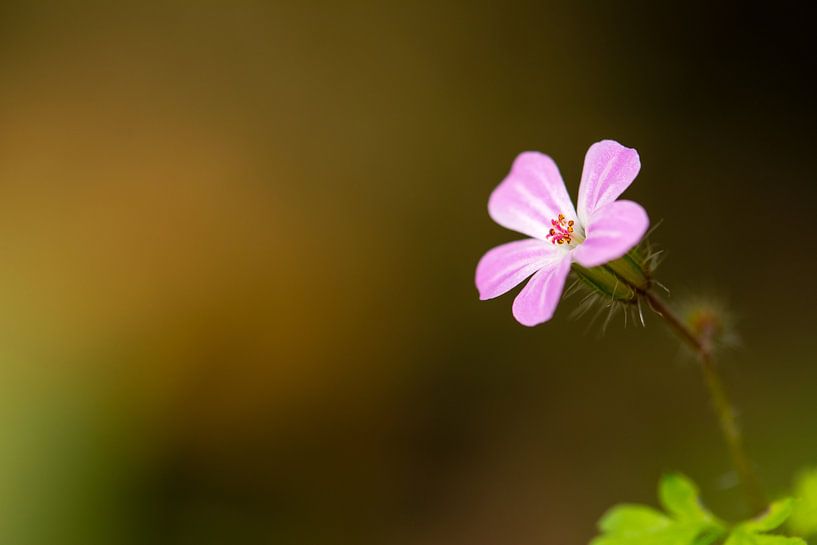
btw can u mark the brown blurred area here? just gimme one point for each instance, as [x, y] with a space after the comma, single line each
[237, 246]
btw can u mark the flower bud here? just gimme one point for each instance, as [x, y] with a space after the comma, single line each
[709, 321]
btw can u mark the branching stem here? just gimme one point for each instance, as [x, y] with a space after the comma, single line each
[701, 344]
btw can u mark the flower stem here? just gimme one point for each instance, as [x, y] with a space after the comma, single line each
[724, 409]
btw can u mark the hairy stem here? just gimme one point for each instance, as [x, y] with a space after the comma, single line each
[724, 409]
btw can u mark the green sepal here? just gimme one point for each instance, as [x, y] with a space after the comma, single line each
[621, 280]
[632, 269]
[606, 282]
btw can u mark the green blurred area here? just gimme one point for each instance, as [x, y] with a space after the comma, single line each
[237, 249]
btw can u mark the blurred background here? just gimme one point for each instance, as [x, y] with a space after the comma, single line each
[237, 250]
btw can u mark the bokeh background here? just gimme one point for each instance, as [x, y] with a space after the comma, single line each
[237, 248]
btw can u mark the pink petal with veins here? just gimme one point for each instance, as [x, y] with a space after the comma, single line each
[609, 169]
[612, 231]
[530, 196]
[506, 266]
[537, 301]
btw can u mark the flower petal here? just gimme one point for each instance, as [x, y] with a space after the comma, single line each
[612, 231]
[609, 169]
[531, 195]
[505, 266]
[537, 301]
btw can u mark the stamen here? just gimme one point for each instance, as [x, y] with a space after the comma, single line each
[562, 230]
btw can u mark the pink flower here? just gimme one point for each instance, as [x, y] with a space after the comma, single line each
[533, 200]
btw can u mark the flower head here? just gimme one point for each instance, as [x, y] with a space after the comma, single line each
[533, 200]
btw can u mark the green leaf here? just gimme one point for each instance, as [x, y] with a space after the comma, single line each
[751, 531]
[628, 518]
[803, 520]
[679, 496]
[676, 534]
[688, 523]
[761, 539]
[708, 535]
[778, 540]
[774, 516]
[742, 537]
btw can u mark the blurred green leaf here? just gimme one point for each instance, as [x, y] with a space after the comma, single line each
[679, 496]
[803, 520]
[751, 531]
[741, 537]
[687, 521]
[688, 524]
[777, 513]
[677, 534]
[777, 540]
[633, 518]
